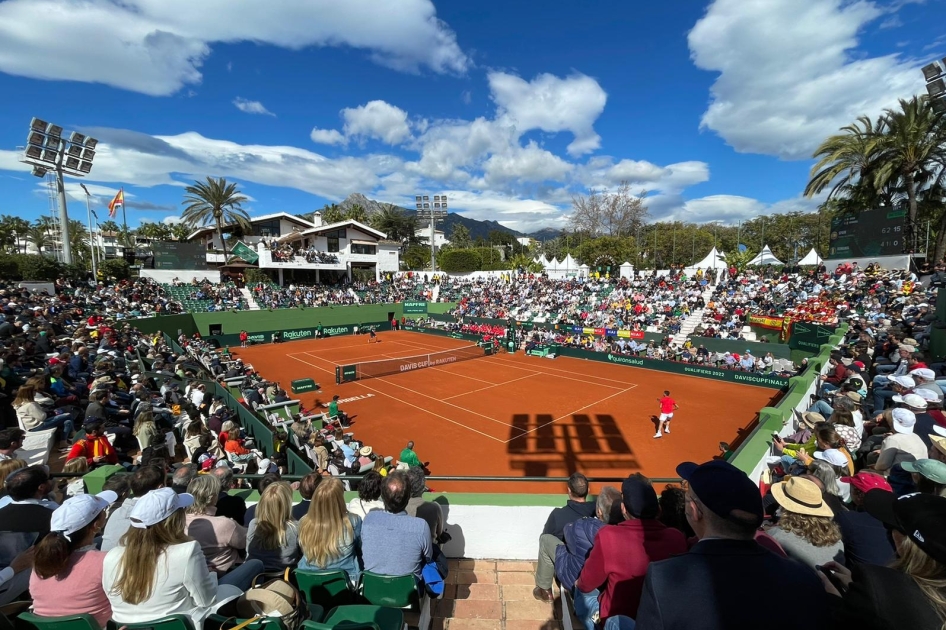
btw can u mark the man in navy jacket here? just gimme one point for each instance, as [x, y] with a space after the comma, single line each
[554, 533]
[726, 580]
[580, 537]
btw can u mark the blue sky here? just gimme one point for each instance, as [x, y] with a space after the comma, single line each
[509, 107]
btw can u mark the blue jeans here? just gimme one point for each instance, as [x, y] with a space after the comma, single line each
[586, 606]
[242, 576]
[822, 407]
[881, 396]
[62, 421]
[885, 368]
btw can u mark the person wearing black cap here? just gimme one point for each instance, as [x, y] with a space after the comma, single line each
[908, 594]
[725, 580]
[621, 554]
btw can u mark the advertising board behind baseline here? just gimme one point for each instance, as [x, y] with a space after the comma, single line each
[296, 334]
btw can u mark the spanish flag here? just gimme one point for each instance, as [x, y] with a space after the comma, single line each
[119, 200]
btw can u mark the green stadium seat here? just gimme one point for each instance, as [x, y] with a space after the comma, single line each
[68, 622]
[325, 588]
[171, 622]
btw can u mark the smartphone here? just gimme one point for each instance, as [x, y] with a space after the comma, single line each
[835, 582]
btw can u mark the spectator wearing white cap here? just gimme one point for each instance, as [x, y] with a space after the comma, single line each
[902, 442]
[897, 384]
[158, 570]
[67, 568]
[925, 378]
[924, 421]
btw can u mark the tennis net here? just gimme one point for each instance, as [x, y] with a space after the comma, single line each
[384, 367]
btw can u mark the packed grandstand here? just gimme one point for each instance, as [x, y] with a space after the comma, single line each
[159, 436]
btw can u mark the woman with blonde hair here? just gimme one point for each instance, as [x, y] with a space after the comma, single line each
[911, 592]
[146, 430]
[222, 540]
[806, 529]
[157, 570]
[273, 536]
[7, 466]
[330, 537]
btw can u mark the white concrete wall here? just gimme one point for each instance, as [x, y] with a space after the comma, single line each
[486, 531]
[166, 276]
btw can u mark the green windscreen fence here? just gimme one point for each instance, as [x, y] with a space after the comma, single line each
[373, 369]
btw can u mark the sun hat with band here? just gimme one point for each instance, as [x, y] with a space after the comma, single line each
[77, 512]
[811, 418]
[903, 420]
[724, 490]
[156, 506]
[917, 516]
[801, 496]
[365, 451]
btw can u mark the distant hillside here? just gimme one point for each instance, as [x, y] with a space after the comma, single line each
[357, 199]
[545, 234]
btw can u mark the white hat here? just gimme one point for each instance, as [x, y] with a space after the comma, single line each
[903, 420]
[924, 373]
[79, 511]
[926, 394]
[911, 400]
[903, 381]
[833, 456]
[264, 466]
[156, 506]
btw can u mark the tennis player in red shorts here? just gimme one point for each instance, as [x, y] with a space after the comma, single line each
[667, 406]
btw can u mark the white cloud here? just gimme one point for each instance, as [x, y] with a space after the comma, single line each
[551, 104]
[526, 164]
[378, 120]
[788, 76]
[158, 46]
[327, 136]
[251, 107]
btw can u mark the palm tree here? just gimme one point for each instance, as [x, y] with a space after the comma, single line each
[332, 213]
[911, 151]
[39, 237]
[356, 213]
[180, 231]
[154, 231]
[215, 202]
[109, 226]
[845, 159]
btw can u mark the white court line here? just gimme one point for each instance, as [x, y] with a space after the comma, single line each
[491, 386]
[332, 372]
[623, 391]
[418, 407]
[441, 400]
[583, 381]
[552, 369]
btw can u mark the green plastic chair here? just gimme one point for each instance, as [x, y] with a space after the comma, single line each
[171, 622]
[67, 622]
[397, 591]
[375, 616]
[325, 588]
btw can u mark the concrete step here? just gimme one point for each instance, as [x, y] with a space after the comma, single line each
[248, 296]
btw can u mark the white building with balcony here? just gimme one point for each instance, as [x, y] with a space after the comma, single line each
[440, 239]
[331, 251]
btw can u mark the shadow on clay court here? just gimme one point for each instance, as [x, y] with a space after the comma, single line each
[540, 446]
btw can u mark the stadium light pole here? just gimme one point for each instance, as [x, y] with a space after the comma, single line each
[435, 210]
[88, 205]
[48, 149]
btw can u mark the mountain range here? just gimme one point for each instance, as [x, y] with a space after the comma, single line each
[477, 228]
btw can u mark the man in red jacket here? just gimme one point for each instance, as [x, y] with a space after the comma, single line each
[95, 446]
[613, 576]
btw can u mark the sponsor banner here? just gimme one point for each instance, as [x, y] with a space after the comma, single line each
[303, 385]
[345, 373]
[673, 367]
[809, 336]
[764, 321]
[605, 332]
[414, 307]
[297, 334]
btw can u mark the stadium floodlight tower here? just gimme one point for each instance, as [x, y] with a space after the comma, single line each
[434, 209]
[49, 149]
[935, 75]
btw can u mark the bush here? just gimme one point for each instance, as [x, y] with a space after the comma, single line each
[38, 268]
[460, 260]
[115, 268]
[73, 272]
[10, 267]
[254, 276]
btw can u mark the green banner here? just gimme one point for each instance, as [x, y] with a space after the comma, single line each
[241, 250]
[414, 307]
[295, 334]
[809, 337]
[345, 373]
[673, 367]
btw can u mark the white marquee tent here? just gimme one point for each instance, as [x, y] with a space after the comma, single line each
[765, 257]
[811, 258]
[714, 260]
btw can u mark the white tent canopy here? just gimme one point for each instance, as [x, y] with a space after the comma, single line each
[568, 263]
[765, 257]
[811, 258]
[714, 260]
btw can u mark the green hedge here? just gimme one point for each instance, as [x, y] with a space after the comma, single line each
[460, 260]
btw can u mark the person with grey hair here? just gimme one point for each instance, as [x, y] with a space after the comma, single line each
[222, 541]
[427, 510]
[230, 505]
[183, 476]
[580, 537]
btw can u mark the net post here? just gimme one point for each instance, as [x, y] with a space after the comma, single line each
[338, 374]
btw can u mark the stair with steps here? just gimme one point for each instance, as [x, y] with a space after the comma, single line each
[690, 323]
[248, 296]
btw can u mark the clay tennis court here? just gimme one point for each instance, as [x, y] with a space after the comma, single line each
[515, 415]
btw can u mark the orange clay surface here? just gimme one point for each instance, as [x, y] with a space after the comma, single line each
[516, 415]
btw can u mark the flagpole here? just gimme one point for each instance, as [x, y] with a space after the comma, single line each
[125, 220]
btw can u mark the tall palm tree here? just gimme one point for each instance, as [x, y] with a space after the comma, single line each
[109, 226]
[356, 213]
[39, 237]
[180, 231]
[911, 151]
[215, 202]
[845, 159]
[332, 213]
[394, 222]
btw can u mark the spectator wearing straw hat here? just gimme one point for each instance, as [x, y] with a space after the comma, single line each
[806, 529]
[864, 536]
[907, 594]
